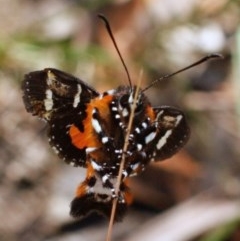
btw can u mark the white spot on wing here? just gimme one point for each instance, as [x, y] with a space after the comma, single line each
[150, 137]
[163, 140]
[48, 102]
[90, 149]
[77, 96]
[137, 130]
[125, 112]
[178, 119]
[104, 139]
[139, 147]
[55, 150]
[159, 114]
[144, 125]
[124, 173]
[96, 125]
[111, 92]
[105, 178]
[130, 99]
[72, 163]
[50, 78]
[96, 166]
[135, 166]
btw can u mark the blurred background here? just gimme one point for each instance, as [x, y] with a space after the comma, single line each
[192, 196]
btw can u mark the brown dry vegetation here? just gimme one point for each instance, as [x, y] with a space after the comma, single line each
[194, 195]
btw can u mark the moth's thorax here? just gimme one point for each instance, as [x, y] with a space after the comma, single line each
[105, 127]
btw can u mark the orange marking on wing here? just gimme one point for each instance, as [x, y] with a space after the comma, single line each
[82, 189]
[87, 138]
[128, 197]
[90, 170]
[150, 112]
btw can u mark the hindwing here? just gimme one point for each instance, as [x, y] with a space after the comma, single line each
[172, 133]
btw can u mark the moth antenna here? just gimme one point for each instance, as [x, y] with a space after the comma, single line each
[101, 16]
[202, 60]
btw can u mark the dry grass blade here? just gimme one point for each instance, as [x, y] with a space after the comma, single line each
[114, 205]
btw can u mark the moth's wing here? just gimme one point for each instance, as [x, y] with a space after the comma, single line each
[172, 133]
[61, 100]
[92, 195]
[51, 93]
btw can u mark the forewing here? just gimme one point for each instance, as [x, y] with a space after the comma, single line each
[51, 93]
[60, 99]
[172, 133]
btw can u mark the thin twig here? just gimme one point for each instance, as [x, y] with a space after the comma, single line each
[119, 177]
